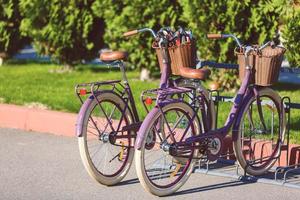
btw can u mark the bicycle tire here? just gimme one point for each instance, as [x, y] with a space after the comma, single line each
[254, 147]
[93, 168]
[143, 170]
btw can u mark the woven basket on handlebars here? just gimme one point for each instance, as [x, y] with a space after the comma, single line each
[180, 56]
[265, 65]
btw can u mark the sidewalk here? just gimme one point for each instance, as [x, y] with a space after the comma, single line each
[61, 123]
[44, 166]
[33, 119]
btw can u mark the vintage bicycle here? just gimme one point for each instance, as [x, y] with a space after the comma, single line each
[256, 120]
[108, 119]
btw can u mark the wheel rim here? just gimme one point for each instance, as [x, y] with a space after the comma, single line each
[161, 169]
[260, 136]
[108, 159]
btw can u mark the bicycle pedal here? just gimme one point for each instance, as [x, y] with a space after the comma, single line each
[173, 174]
[122, 153]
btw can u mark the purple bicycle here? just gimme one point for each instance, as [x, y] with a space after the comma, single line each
[256, 120]
[108, 119]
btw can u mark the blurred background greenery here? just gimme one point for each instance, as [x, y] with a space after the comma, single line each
[74, 30]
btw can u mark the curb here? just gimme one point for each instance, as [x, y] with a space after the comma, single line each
[39, 120]
[62, 123]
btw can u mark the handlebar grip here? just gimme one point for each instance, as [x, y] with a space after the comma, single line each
[130, 33]
[214, 36]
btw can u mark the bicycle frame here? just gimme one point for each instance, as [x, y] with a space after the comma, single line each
[244, 94]
[122, 90]
[125, 93]
[162, 93]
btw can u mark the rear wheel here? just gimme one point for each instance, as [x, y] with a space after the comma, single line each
[106, 151]
[159, 172]
[261, 132]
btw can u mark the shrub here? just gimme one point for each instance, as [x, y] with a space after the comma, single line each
[291, 35]
[10, 38]
[67, 30]
[121, 16]
[253, 21]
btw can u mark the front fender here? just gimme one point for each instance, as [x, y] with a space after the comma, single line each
[237, 121]
[142, 131]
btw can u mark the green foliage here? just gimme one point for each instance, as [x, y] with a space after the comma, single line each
[10, 38]
[253, 21]
[67, 30]
[122, 16]
[70, 31]
[291, 34]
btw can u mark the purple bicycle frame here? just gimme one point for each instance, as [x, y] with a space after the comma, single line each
[243, 96]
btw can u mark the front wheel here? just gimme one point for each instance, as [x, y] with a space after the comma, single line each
[260, 132]
[159, 172]
[106, 151]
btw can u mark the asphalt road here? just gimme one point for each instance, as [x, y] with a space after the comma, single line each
[43, 166]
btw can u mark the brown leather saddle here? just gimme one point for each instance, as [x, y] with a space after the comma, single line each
[200, 74]
[111, 56]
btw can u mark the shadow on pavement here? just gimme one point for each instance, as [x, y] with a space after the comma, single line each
[128, 182]
[213, 187]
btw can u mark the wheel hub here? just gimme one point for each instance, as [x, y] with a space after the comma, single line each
[214, 147]
[104, 137]
[165, 146]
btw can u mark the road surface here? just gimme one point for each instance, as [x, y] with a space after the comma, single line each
[44, 166]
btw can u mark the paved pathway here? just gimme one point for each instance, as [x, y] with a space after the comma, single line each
[43, 166]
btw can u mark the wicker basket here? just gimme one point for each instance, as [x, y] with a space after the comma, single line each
[180, 56]
[265, 65]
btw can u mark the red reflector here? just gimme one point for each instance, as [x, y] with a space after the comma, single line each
[148, 101]
[82, 91]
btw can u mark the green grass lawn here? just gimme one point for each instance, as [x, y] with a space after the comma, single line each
[24, 84]
[32, 83]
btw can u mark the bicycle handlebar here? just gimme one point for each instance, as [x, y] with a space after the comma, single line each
[221, 36]
[134, 32]
[214, 36]
[273, 42]
[130, 33]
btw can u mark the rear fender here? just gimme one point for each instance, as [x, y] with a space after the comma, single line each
[81, 114]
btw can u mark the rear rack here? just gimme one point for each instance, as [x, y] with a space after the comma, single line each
[94, 88]
[159, 95]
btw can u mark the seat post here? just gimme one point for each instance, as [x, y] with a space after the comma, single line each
[121, 65]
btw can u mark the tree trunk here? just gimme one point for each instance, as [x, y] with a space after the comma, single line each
[145, 74]
[3, 55]
[68, 67]
[63, 69]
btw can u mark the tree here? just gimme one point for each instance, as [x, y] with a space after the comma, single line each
[291, 35]
[253, 21]
[10, 38]
[67, 30]
[124, 15]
